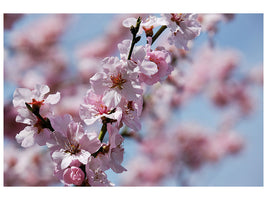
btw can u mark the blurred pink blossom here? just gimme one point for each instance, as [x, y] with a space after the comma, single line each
[209, 22]
[30, 167]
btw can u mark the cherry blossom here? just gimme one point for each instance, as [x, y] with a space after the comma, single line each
[115, 153]
[69, 142]
[151, 65]
[95, 174]
[34, 96]
[37, 131]
[116, 81]
[139, 62]
[183, 27]
[111, 154]
[162, 60]
[94, 109]
[131, 113]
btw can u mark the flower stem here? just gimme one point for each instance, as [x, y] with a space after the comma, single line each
[45, 122]
[134, 31]
[102, 132]
[157, 34]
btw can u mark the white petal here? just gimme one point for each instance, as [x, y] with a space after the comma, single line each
[91, 120]
[90, 143]
[53, 98]
[42, 137]
[60, 124]
[116, 115]
[148, 68]
[112, 98]
[40, 91]
[83, 157]
[116, 159]
[139, 54]
[66, 161]
[129, 22]
[25, 116]
[88, 114]
[58, 155]
[124, 47]
[20, 96]
[25, 137]
[97, 83]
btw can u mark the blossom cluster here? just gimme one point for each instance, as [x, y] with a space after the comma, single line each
[81, 122]
[114, 98]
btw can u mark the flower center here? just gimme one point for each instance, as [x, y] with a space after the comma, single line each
[149, 31]
[40, 124]
[73, 148]
[117, 81]
[129, 108]
[102, 109]
[177, 18]
[36, 105]
[157, 60]
[130, 105]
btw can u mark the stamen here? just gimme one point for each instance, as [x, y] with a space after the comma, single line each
[177, 18]
[73, 149]
[36, 105]
[117, 81]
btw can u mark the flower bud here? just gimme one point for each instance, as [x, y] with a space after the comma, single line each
[73, 175]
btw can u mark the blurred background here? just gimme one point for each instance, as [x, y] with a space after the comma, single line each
[63, 51]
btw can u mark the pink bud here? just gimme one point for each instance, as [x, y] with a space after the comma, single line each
[73, 175]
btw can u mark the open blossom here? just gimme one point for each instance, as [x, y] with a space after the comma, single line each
[111, 154]
[115, 82]
[35, 96]
[70, 142]
[183, 27]
[37, 131]
[131, 113]
[151, 65]
[116, 150]
[139, 61]
[162, 60]
[95, 174]
[94, 109]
